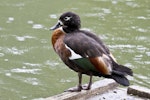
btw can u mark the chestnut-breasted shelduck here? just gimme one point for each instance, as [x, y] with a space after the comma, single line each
[85, 53]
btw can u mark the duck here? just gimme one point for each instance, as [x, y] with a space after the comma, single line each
[85, 53]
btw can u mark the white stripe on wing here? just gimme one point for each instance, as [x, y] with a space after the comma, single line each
[73, 54]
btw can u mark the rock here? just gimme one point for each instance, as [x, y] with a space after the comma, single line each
[98, 87]
[140, 91]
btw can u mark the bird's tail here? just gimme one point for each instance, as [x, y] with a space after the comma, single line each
[120, 69]
[119, 78]
[119, 73]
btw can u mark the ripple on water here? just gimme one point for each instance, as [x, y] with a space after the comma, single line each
[141, 38]
[132, 4]
[122, 46]
[65, 81]
[141, 17]
[148, 53]
[106, 11]
[147, 62]
[1, 28]
[141, 76]
[2, 54]
[32, 65]
[30, 22]
[141, 79]
[139, 29]
[142, 30]
[24, 70]
[141, 48]
[14, 51]
[51, 63]
[10, 19]
[23, 38]
[53, 16]
[8, 74]
[33, 81]
[37, 26]
[130, 65]
[138, 57]
[28, 80]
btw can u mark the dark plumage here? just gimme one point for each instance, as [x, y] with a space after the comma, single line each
[85, 53]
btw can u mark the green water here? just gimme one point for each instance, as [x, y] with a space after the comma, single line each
[30, 69]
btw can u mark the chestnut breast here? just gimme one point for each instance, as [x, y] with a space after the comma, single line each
[59, 45]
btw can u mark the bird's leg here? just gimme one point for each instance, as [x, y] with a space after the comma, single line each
[79, 87]
[89, 85]
[80, 81]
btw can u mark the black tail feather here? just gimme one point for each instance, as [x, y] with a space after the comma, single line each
[119, 78]
[122, 69]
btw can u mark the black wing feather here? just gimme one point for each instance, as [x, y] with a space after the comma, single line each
[85, 44]
[98, 40]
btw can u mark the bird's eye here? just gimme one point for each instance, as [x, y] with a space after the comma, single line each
[67, 18]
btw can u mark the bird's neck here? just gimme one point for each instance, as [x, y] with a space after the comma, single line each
[69, 29]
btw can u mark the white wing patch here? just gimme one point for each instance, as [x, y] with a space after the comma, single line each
[73, 54]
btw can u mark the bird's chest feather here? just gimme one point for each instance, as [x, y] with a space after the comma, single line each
[61, 49]
[59, 46]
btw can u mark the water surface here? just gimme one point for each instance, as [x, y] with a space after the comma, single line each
[30, 69]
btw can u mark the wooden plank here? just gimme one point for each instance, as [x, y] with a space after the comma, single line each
[140, 91]
[98, 87]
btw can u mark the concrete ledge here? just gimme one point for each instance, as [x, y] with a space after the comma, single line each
[98, 87]
[139, 91]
